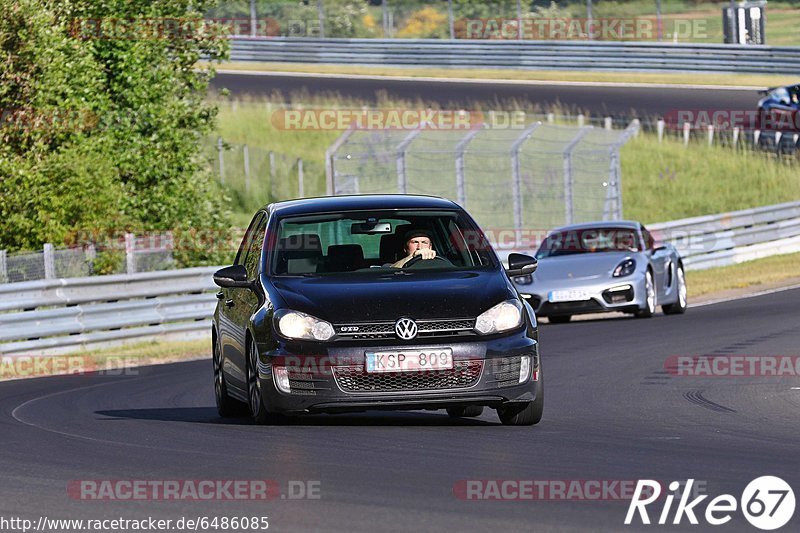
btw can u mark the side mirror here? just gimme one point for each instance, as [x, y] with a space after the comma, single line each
[521, 264]
[232, 277]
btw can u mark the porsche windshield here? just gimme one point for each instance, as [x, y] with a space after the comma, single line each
[591, 240]
[378, 241]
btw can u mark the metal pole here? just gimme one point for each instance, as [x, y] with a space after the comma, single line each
[330, 168]
[519, 20]
[384, 9]
[3, 266]
[734, 23]
[49, 262]
[221, 157]
[130, 251]
[461, 184]
[659, 23]
[300, 178]
[246, 169]
[450, 18]
[568, 180]
[321, 15]
[402, 181]
[589, 18]
[252, 18]
[516, 180]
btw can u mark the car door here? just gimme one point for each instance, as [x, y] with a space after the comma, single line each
[232, 323]
[660, 261]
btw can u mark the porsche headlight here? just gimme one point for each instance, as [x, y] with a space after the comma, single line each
[502, 317]
[297, 325]
[626, 268]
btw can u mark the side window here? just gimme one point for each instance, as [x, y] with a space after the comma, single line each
[248, 238]
[649, 241]
[252, 262]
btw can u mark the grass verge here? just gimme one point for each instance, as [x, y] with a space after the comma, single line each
[767, 272]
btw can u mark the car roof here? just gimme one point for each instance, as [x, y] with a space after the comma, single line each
[628, 224]
[326, 204]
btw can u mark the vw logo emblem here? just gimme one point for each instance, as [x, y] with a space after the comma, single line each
[406, 328]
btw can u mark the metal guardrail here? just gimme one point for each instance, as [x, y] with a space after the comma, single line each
[730, 238]
[557, 55]
[70, 314]
[78, 313]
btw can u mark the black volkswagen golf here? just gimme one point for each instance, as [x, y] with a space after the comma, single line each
[353, 303]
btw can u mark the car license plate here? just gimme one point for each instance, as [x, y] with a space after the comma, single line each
[410, 361]
[569, 295]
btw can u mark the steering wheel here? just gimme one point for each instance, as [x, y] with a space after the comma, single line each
[417, 259]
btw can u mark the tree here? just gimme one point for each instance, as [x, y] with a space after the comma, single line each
[103, 112]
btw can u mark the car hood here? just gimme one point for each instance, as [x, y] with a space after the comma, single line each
[589, 266]
[367, 298]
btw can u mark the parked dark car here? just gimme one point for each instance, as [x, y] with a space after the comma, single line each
[312, 316]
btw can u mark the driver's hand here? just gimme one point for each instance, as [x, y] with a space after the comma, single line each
[426, 253]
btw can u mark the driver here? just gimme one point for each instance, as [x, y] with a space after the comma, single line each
[417, 242]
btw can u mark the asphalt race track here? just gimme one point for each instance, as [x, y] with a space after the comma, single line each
[633, 101]
[612, 412]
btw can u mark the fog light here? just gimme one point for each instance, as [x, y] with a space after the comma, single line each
[524, 368]
[281, 376]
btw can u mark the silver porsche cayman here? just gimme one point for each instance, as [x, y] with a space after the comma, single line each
[599, 267]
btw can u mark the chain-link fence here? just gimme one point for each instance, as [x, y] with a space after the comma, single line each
[127, 255]
[254, 176]
[518, 182]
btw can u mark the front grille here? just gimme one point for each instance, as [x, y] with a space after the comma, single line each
[464, 374]
[506, 371]
[427, 328]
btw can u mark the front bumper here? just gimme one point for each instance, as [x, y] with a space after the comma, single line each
[626, 295]
[485, 373]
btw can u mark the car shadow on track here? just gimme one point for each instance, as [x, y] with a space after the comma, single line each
[208, 415]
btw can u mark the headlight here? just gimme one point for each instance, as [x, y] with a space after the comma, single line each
[625, 268]
[503, 316]
[297, 325]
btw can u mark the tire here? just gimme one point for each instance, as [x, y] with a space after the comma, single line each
[559, 319]
[226, 406]
[649, 308]
[527, 414]
[258, 410]
[679, 307]
[465, 412]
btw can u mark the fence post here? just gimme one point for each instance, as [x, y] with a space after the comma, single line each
[756, 137]
[660, 128]
[272, 175]
[461, 185]
[735, 136]
[567, 157]
[516, 180]
[49, 261]
[637, 126]
[686, 129]
[608, 123]
[384, 13]
[91, 255]
[710, 134]
[3, 266]
[402, 182]
[330, 153]
[130, 253]
[551, 118]
[519, 20]
[581, 120]
[449, 18]
[300, 178]
[246, 169]
[221, 156]
[321, 15]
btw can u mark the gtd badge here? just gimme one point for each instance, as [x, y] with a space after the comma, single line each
[349, 329]
[406, 328]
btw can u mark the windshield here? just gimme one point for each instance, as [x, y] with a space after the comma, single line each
[378, 241]
[590, 240]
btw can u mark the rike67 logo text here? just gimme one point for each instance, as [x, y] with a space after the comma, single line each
[767, 503]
